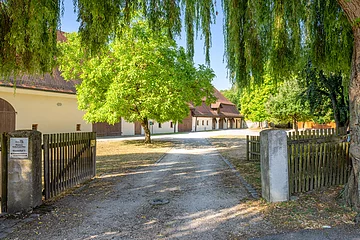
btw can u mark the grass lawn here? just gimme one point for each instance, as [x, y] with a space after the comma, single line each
[121, 156]
[315, 209]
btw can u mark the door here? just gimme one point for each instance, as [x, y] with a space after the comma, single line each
[7, 117]
[137, 128]
[186, 124]
[105, 129]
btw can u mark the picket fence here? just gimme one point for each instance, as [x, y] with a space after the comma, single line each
[317, 158]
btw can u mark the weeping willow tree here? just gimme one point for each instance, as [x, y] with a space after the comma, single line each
[28, 28]
[284, 34]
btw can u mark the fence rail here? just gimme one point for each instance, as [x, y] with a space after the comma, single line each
[69, 159]
[317, 158]
[253, 148]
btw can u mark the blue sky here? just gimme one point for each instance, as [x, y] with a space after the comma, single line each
[221, 82]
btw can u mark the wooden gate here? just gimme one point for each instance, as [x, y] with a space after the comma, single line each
[186, 124]
[4, 170]
[105, 129]
[7, 117]
[69, 159]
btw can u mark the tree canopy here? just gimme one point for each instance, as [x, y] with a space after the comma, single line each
[140, 76]
[287, 106]
[254, 101]
[285, 33]
[326, 94]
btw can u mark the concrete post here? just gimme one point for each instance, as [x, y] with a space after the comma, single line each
[274, 165]
[24, 170]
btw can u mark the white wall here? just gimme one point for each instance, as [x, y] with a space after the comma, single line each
[127, 128]
[193, 124]
[225, 123]
[204, 124]
[53, 112]
[165, 127]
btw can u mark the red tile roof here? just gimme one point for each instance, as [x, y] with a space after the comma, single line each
[60, 36]
[49, 82]
[226, 108]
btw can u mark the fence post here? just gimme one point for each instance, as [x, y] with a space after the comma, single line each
[24, 170]
[4, 172]
[46, 166]
[247, 148]
[274, 165]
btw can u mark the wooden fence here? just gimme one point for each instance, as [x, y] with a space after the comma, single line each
[253, 148]
[69, 159]
[317, 158]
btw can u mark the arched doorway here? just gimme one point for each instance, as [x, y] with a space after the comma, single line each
[7, 117]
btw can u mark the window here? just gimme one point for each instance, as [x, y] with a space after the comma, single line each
[207, 122]
[202, 122]
[78, 127]
[171, 125]
[197, 122]
[34, 127]
[159, 125]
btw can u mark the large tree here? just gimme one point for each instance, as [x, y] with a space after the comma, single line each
[140, 76]
[326, 94]
[284, 33]
[287, 106]
[254, 101]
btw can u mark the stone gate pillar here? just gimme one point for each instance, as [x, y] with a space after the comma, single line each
[274, 165]
[24, 170]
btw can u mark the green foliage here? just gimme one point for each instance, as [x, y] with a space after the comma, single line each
[326, 94]
[287, 106]
[233, 95]
[282, 33]
[28, 28]
[253, 101]
[285, 34]
[28, 36]
[141, 75]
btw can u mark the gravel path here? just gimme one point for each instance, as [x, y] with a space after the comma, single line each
[205, 201]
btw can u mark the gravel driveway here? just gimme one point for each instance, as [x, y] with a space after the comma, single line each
[205, 201]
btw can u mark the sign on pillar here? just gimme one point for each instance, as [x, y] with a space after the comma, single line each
[24, 170]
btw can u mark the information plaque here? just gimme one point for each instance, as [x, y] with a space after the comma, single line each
[19, 148]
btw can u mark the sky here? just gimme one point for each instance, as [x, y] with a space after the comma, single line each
[221, 81]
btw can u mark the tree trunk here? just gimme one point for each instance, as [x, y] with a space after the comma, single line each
[295, 125]
[352, 191]
[336, 110]
[145, 125]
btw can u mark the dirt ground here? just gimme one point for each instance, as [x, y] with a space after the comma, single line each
[202, 199]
